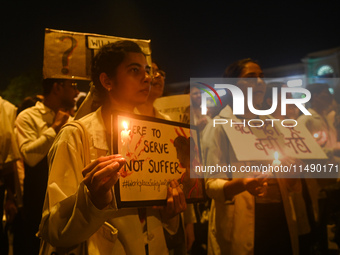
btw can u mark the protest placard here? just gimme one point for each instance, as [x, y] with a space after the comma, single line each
[177, 107]
[68, 54]
[157, 151]
[261, 138]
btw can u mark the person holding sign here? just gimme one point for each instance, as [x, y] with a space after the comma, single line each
[177, 243]
[80, 214]
[244, 217]
[191, 186]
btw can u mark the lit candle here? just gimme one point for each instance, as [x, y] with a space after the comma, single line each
[276, 160]
[125, 138]
[321, 138]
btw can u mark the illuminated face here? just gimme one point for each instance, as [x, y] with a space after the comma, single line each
[132, 81]
[157, 85]
[254, 75]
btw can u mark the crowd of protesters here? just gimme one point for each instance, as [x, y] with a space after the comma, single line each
[59, 200]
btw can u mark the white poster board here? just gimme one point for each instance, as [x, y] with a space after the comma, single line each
[153, 160]
[260, 143]
[176, 107]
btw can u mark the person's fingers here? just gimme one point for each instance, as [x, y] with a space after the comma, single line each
[94, 163]
[94, 183]
[178, 197]
[110, 182]
[182, 201]
[104, 175]
[98, 167]
[116, 156]
[175, 196]
[158, 207]
[102, 162]
[173, 184]
[106, 171]
[170, 199]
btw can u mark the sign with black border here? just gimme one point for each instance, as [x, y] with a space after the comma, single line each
[157, 151]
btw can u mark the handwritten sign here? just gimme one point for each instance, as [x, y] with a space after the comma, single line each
[262, 141]
[69, 54]
[64, 55]
[156, 152]
[176, 107]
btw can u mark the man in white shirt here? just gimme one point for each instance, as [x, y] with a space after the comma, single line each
[9, 154]
[37, 128]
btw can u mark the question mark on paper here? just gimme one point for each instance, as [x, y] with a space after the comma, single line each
[67, 53]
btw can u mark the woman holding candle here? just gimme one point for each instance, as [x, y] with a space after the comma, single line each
[246, 217]
[80, 213]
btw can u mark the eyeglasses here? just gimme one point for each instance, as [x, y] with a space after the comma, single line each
[158, 72]
[74, 85]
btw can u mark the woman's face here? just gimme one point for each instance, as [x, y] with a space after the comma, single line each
[157, 85]
[131, 85]
[254, 78]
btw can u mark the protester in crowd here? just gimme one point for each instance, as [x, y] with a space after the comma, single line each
[337, 110]
[305, 198]
[177, 243]
[247, 216]
[29, 102]
[185, 148]
[156, 91]
[193, 116]
[16, 227]
[325, 134]
[196, 117]
[319, 126]
[332, 120]
[37, 128]
[26, 103]
[321, 105]
[80, 212]
[9, 154]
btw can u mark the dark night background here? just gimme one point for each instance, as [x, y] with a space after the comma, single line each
[188, 38]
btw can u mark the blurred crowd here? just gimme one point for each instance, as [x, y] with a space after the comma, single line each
[51, 201]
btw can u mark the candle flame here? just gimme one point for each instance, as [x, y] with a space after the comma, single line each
[125, 125]
[276, 155]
